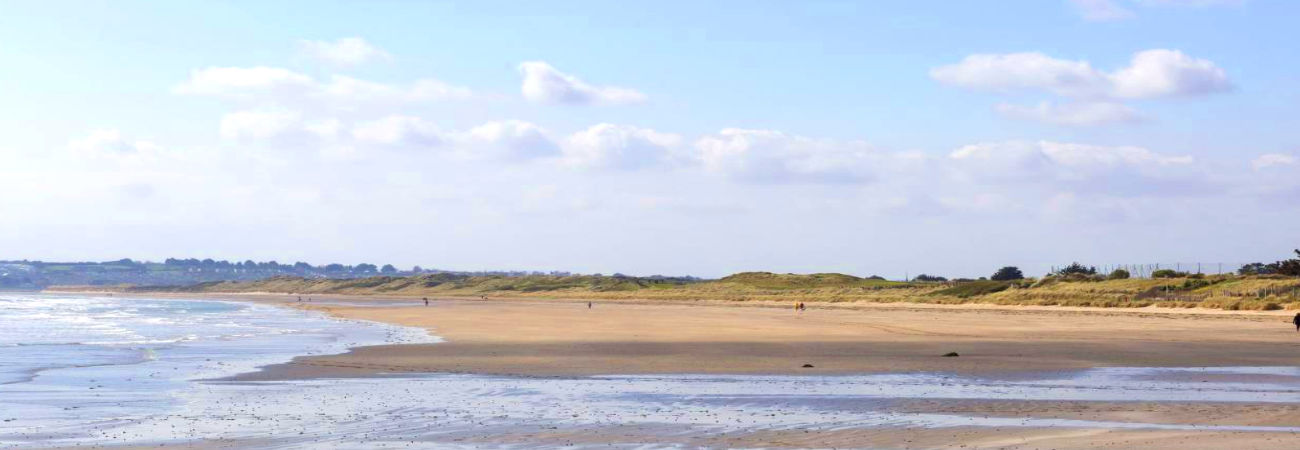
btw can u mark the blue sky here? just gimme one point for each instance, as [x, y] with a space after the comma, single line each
[652, 137]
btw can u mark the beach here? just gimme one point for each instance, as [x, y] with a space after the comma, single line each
[568, 338]
[549, 338]
[501, 373]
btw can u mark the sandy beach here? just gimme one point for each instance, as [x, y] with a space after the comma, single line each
[565, 338]
[625, 374]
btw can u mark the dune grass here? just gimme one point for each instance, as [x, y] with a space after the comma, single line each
[1222, 292]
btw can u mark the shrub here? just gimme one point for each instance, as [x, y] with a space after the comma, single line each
[1119, 274]
[1257, 269]
[929, 278]
[1168, 273]
[1008, 273]
[1076, 268]
[1288, 267]
[974, 288]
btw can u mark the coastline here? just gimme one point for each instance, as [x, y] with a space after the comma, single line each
[557, 346]
[536, 337]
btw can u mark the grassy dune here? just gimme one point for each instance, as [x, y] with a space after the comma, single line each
[1223, 292]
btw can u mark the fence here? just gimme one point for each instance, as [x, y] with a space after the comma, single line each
[1145, 270]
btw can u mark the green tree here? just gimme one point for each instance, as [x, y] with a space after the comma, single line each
[1008, 273]
[1076, 268]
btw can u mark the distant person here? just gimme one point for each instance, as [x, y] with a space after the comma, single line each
[426, 301]
[589, 307]
[1296, 321]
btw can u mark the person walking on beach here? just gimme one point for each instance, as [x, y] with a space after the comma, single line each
[1296, 321]
[426, 301]
[589, 307]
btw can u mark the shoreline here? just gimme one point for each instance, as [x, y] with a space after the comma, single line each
[550, 348]
[562, 338]
[551, 338]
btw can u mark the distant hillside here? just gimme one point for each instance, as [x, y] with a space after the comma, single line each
[173, 271]
[1254, 292]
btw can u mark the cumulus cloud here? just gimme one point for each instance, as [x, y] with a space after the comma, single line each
[543, 83]
[109, 142]
[399, 130]
[242, 80]
[1151, 74]
[1119, 169]
[619, 146]
[278, 126]
[286, 86]
[1073, 113]
[343, 52]
[773, 156]
[1274, 160]
[1168, 73]
[509, 139]
[501, 140]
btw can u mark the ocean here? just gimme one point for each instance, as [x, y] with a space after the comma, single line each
[71, 363]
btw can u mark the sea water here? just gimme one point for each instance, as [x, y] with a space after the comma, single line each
[80, 370]
[69, 361]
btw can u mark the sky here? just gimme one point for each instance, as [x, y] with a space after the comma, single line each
[703, 138]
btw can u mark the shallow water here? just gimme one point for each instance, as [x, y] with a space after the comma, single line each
[138, 362]
[67, 360]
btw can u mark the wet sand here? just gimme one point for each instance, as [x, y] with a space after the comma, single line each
[557, 338]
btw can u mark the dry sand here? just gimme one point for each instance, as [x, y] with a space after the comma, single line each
[550, 338]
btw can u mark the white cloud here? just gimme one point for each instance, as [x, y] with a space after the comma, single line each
[509, 139]
[773, 156]
[1066, 154]
[1054, 162]
[1102, 10]
[1168, 73]
[1023, 71]
[399, 131]
[278, 126]
[543, 83]
[109, 142]
[619, 146]
[1150, 74]
[1086, 113]
[242, 80]
[1274, 160]
[1084, 155]
[343, 52]
[286, 86]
